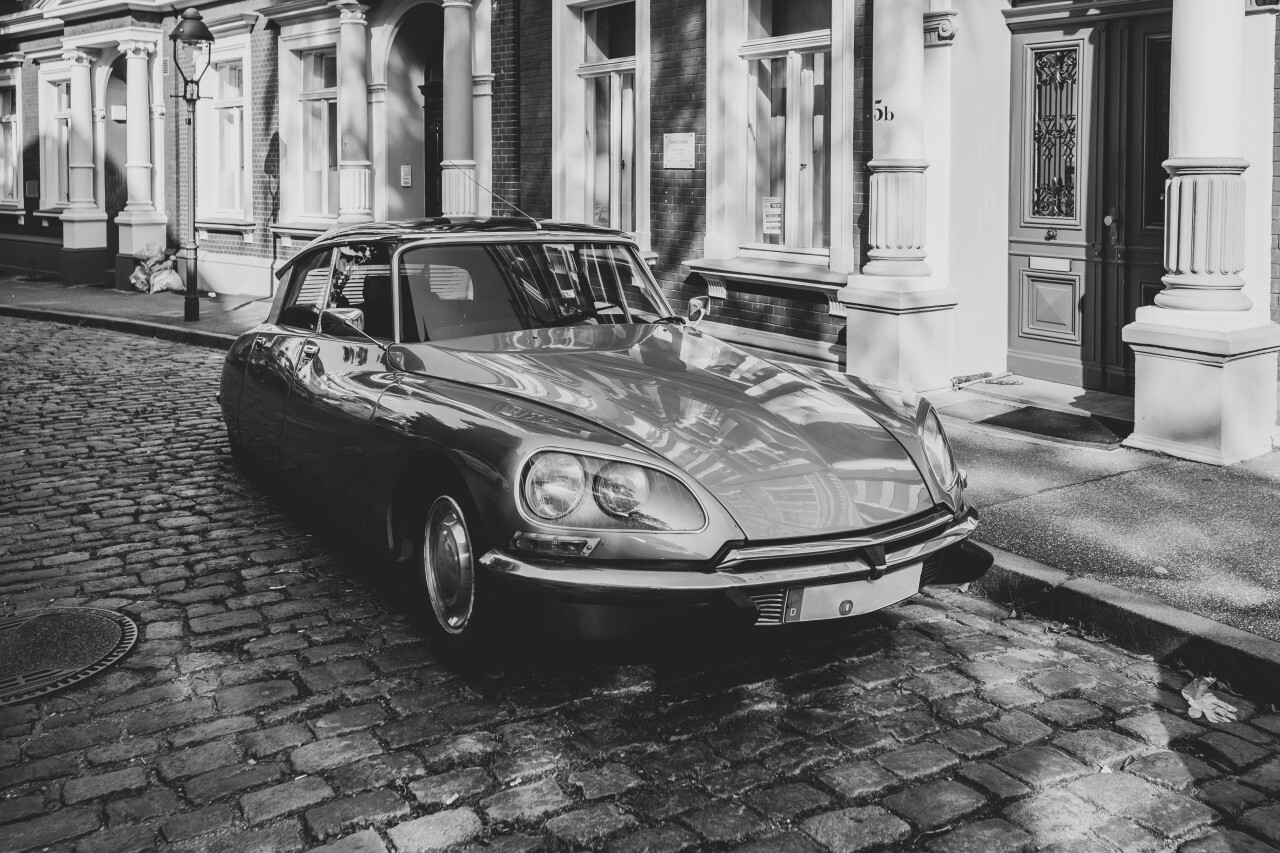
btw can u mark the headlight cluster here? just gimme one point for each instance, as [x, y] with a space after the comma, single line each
[937, 450]
[571, 490]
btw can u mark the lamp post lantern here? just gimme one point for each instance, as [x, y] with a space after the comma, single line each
[194, 35]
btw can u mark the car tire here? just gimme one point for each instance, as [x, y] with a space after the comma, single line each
[446, 558]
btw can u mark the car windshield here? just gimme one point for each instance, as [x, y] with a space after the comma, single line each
[460, 290]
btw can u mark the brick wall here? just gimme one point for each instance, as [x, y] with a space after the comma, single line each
[505, 55]
[533, 61]
[678, 101]
[1275, 190]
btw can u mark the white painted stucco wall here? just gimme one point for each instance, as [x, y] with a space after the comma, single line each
[977, 244]
[1259, 115]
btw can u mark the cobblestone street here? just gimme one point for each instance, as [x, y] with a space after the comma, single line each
[281, 696]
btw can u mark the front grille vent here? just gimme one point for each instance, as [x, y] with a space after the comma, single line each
[769, 607]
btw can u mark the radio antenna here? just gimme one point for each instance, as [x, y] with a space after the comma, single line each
[536, 225]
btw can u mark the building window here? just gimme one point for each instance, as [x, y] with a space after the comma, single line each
[228, 106]
[601, 57]
[319, 97]
[609, 72]
[789, 123]
[60, 143]
[10, 150]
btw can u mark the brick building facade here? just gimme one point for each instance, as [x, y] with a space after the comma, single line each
[910, 191]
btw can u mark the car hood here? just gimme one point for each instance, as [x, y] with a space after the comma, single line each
[785, 455]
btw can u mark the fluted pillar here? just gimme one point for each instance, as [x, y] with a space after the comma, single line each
[139, 222]
[83, 258]
[354, 166]
[80, 145]
[897, 214]
[899, 317]
[458, 188]
[1205, 365]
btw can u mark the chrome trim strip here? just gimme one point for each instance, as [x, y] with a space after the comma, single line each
[594, 582]
[797, 550]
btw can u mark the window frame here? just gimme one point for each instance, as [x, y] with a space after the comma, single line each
[573, 101]
[11, 78]
[285, 292]
[54, 182]
[325, 95]
[297, 39]
[228, 49]
[730, 146]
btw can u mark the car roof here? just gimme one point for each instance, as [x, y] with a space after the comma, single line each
[407, 230]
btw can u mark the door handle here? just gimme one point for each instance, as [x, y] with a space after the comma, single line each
[309, 350]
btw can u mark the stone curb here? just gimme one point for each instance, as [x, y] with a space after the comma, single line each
[177, 334]
[1248, 663]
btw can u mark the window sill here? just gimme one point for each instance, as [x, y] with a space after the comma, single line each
[214, 225]
[305, 231]
[49, 213]
[807, 278]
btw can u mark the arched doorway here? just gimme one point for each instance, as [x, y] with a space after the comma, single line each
[415, 73]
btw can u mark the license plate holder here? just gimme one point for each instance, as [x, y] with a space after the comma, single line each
[851, 598]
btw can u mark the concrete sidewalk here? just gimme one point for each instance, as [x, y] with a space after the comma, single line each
[1168, 557]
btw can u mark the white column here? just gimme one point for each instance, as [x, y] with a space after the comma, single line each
[157, 113]
[140, 223]
[482, 106]
[897, 216]
[458, 186]
[899, 316]
[354, 167]
[84, 225]
[1205, 384]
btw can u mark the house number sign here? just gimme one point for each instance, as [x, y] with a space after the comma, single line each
[881, 111]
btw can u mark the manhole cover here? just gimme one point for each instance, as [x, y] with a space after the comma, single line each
[48, 650]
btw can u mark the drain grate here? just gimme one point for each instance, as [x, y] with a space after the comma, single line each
[48, 650]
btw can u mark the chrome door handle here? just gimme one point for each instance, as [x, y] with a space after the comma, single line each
[309, 350]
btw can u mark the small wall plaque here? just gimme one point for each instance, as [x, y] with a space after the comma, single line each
[678, 150]
[406, 176]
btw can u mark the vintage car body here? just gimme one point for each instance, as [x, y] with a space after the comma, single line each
[779, 493]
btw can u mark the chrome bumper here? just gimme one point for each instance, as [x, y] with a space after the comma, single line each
[607, 584]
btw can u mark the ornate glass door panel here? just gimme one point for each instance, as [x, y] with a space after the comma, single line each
[1051, 216]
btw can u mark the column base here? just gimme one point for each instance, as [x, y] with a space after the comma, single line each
[354, 202]
[138, 228]
[900, 338]
[458, 188]
[83, 266]
[1205, 384]
[84, 228]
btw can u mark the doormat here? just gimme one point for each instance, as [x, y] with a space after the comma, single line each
[1063, 426]
[48, 650]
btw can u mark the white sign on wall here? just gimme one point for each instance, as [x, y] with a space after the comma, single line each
[678, 150]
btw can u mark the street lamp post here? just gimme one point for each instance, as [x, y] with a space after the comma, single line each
[193, 34]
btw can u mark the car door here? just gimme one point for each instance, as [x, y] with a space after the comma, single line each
[276, 351]
[337, 383]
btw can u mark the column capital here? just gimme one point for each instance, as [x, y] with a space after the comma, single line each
[79, 56]
[447, 3]
[136, 48]
[352, 12]
[940, 27]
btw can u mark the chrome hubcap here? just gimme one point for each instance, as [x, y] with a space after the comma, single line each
[447, 564]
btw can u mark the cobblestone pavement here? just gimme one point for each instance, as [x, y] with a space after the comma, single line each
[282, 698]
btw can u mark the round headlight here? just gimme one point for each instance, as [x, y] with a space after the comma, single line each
[554, 485]
[938, 451]
[620, 489]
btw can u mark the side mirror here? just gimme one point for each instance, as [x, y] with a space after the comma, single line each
[335, 321]
[699, 308]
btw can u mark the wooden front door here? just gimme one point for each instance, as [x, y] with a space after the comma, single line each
[1090, 134]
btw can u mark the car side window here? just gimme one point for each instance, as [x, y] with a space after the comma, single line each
[306, 291]
[362, 279]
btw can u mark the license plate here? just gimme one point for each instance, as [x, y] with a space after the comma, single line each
[837, 600]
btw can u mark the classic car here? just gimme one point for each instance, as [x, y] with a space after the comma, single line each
[512, 408]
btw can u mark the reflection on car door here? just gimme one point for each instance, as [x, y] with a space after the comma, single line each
[336, 387]
[276, 351]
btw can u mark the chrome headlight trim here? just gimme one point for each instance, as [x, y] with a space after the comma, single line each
[937, 451]
[605, 458]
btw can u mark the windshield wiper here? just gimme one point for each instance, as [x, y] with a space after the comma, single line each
[674, 318]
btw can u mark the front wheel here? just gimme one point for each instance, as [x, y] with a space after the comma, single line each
[447, 559]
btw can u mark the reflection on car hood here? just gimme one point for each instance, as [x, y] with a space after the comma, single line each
[786, 456]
